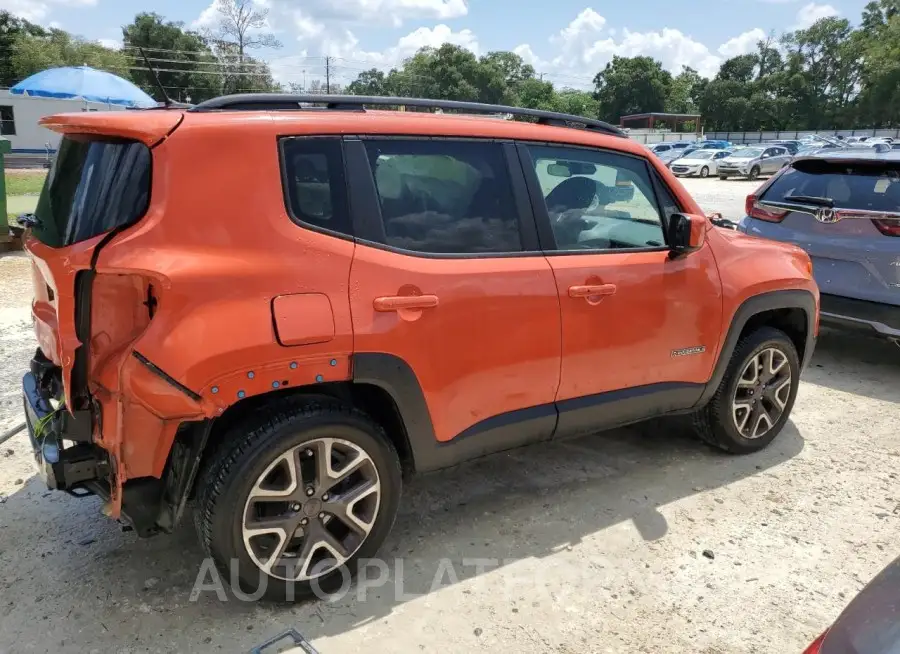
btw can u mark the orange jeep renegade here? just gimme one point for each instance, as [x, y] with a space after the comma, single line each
[276, 305]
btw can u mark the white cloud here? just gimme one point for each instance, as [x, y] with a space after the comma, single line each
[207, 18]
[38, 10]
[349, 58]
[585, 46]
[392, 12]
[742, 44]
[809, 14]
[113, 44]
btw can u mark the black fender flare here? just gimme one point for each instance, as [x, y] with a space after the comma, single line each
[496, 434]
[752, 306]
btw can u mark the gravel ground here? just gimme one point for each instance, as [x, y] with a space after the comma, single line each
[726, 197]
[636, 540]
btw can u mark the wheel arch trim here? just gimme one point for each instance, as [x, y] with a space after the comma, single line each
[755, 305]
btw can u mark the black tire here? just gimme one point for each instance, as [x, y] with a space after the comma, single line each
[247, 449]
[754, 174]
[723, 177]
[704, 172]
[715, 423]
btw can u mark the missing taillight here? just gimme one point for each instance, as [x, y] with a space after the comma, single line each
[755, 210]
[887, 227]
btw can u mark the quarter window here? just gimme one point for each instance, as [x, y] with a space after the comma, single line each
[444, 196]
[315, 191]
[597, 200]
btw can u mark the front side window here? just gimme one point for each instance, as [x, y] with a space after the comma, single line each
[597, 200]
[315, 191]
[444, 196]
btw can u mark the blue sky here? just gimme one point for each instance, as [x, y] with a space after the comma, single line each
[568, 40]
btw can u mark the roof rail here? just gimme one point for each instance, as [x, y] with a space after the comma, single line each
[288, 102]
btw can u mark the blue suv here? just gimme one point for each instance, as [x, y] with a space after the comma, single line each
[843, 208]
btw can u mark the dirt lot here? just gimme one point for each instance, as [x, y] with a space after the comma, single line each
[598, 543]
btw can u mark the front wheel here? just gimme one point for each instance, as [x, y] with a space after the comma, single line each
[295, 496]
[723, 177]
[756, 394]
[754, 174]
[704, 172]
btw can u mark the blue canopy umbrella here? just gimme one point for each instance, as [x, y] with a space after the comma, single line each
[85, 83]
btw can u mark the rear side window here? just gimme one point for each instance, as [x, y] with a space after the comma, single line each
[848, 186]
[94, 186]
[314, 187]
[444, 196]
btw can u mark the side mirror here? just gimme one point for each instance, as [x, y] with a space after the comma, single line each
[686, 233]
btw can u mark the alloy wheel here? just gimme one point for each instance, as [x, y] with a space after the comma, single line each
[762, 393]
[311, 509]
[704, 172]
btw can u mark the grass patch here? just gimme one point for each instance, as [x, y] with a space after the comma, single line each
[22, 191]
[19, 204]
[24, 183]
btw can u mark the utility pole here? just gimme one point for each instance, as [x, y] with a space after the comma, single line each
[328, 75]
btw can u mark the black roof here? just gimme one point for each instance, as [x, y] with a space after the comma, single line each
[296, 102]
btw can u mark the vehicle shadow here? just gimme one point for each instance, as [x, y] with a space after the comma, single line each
[507, 508]
[837, 359]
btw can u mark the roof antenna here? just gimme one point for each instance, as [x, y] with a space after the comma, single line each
[167, 101]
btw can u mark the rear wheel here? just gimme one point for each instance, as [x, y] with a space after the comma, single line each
[756, 395]
[296, 496]
[754, 174]
[704, 172]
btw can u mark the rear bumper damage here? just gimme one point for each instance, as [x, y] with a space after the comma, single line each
[62, 441]
[72, 457]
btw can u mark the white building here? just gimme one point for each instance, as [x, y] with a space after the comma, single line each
[19, 116]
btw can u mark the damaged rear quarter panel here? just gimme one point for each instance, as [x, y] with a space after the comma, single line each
[218, 247]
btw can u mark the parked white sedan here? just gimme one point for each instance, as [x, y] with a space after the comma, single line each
[700, 162]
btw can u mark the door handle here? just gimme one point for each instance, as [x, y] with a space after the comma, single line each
[592, 290]
[400, 302]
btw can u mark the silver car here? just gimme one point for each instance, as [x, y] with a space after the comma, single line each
[843, 208]
[754, 161]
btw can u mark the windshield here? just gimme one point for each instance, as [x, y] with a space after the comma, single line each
[700, 155]
[747, 153]
[94, 186]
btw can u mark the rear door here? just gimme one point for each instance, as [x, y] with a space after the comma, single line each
[448, 277]
[638, 328]
[855, 257]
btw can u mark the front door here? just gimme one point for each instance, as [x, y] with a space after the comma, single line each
[448, 287]
[639, 329]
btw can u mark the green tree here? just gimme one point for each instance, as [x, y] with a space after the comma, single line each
[535, 94]
[631, 85]
[369, 82]
[577, 103]
[879, 96]
[33, 53]
[684, 92]
[10, 29]
[451, 72]
[185, 63]
[514, 69]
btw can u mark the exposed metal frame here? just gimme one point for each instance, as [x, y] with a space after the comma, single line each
[291, 102]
